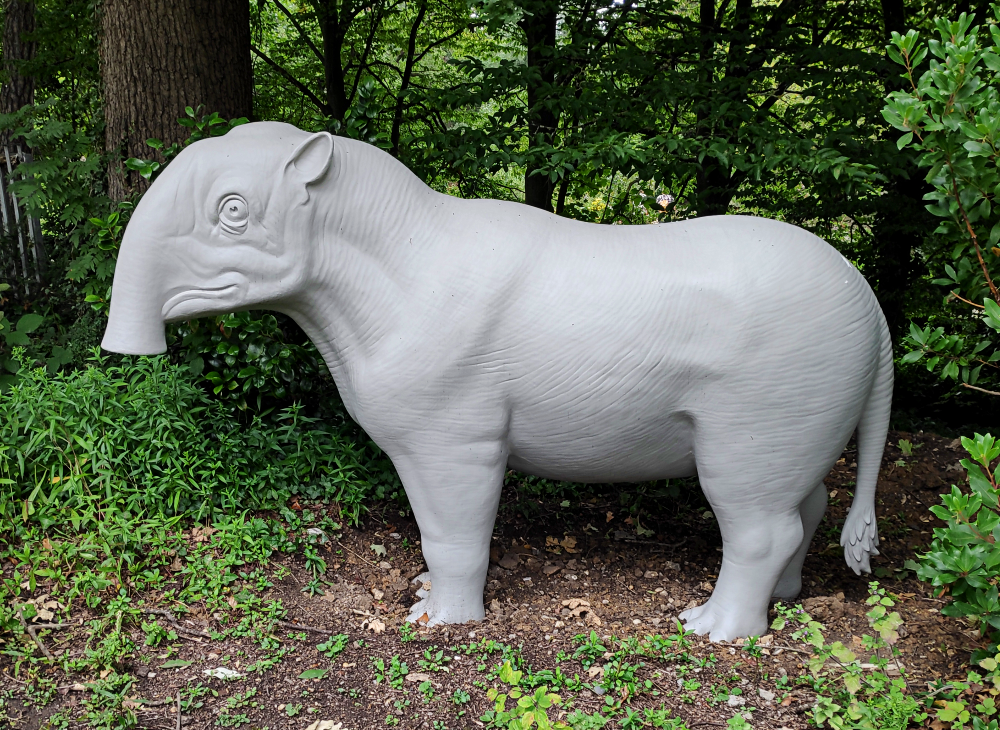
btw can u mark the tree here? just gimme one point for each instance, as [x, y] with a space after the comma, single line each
[160, 56]
[18, 49]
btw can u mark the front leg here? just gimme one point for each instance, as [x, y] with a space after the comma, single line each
[454, 489]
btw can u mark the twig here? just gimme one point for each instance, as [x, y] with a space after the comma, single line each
[173, 622]
[302, 627]
[981, 390]
[971, 304]
[34, 636]
[55, 626]
[156, 703]
[178, 709]
[360, 557]
[788, 648]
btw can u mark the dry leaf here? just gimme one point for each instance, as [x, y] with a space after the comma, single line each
[326, 725]
[611, 516]
[131, 704]
[376, 626]
[424, 618]
[569, 543]
[231, 601]
[105, 673]
[43, 614]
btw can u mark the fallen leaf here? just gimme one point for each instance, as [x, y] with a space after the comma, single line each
[424, 618]
[569, 544]
[131, 704]
[418, 677]
[611, 516]
[231, 601]
[379, 550]
[595, 671]
[376, 626]
[325, 725]
[105, 673]
[44, 614]
[787, 701]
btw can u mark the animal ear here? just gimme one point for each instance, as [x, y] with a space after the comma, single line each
[311, 160]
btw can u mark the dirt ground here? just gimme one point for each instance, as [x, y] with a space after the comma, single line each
[635, 587]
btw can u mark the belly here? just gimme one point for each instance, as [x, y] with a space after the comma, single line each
[615, 445]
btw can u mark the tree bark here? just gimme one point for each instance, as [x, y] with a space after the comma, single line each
[901, 221]
[160, 56]
[18, 90]
[334, 23]
[540, 37]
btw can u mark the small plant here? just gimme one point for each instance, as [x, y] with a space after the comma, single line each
[333, 646]
[427, 690]
[460, 697]
[590, 650]
[292, 710]
[433, 661]
[407, 632]
[530, 708]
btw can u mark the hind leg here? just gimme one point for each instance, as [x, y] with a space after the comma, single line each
[811, 512]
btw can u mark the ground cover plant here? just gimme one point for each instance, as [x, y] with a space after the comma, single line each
[291, 616]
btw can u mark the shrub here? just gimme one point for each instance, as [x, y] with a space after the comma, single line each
[143, 439]
[964, 559]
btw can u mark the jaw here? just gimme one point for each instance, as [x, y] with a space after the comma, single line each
[227, 293]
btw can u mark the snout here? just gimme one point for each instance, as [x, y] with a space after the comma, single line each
[135, 323]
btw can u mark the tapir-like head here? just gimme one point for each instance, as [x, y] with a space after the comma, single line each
[226, 227]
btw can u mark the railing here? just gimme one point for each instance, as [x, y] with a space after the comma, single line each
[22, 249]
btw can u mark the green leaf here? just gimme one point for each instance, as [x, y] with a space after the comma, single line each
[313, 674]
[175, 663]
[29, 322]
[904, 140]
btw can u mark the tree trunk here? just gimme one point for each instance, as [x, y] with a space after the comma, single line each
[333, 27]
[901, 221]
[540, 36]
[18, 90]
[159, 56]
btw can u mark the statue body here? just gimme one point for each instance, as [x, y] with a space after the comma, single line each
[471, 336]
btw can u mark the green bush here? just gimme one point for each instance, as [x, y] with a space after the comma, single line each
[964, 558]
[142, 439]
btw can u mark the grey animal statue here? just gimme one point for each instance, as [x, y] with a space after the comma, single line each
[469, 336]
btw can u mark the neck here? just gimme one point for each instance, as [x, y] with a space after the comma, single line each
[374, 227]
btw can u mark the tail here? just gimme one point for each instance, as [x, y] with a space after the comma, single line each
[860, 535]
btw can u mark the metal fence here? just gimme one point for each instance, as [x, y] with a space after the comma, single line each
[22, 249]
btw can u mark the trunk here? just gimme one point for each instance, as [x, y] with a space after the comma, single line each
[18, 90]
[135, 322]
[159, 56]
[404, 84]
[901, 220]
[333, 26]
[540, 38]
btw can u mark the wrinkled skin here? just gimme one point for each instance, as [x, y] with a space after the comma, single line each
[468, 337]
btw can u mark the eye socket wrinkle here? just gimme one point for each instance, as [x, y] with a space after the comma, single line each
[234, 214]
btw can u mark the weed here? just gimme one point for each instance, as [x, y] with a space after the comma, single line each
[333, 646]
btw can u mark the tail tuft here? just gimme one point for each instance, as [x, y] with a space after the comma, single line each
[859, 538]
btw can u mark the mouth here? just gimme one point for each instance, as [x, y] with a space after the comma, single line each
[191, 302]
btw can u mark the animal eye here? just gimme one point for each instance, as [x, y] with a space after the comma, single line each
[234, 214]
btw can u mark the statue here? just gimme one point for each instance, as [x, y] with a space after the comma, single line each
[469, 336]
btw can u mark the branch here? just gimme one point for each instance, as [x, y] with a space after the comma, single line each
[324, 108]
[981, 390]
[305, 36]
